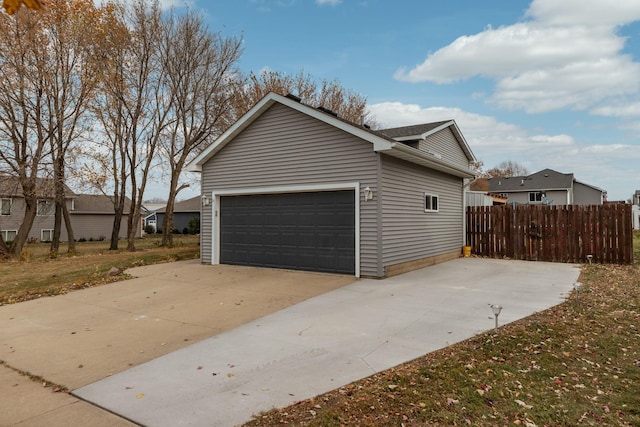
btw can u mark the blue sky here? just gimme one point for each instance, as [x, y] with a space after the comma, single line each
[545, 83]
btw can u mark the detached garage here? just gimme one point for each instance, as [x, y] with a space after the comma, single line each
[291, 186]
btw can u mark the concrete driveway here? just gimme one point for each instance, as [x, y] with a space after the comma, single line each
[85, 336]
[326, 341]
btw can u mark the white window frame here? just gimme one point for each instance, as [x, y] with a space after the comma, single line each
[48, 203]
[535, 194]
[5, 234]
[48, 230]
[2, 201]
[429, 201]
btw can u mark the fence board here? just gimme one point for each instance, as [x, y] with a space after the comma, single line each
[552, 233]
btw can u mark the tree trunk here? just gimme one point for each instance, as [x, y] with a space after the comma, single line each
[57, 225]
[167, 223]
[115, 231]
[30, 210]
[71, 245]
[4, 249]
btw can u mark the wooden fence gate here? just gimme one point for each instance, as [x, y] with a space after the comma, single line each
[552, 233]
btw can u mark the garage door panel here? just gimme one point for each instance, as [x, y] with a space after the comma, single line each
[305, 231]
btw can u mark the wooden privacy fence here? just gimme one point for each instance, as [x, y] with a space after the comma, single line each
[552, 233]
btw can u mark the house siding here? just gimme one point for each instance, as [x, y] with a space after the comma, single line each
[284, 147]
[180, 220]
[554, 197]
[585, 195]
[85, 226]
[97, 226]
[445, 144]
[408, 232]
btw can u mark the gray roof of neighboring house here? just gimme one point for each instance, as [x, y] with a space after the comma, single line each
[96, 204]
[189, 205]
[546, 179]
[10, 187]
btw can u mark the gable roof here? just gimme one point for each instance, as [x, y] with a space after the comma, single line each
[10, 187]
[422, 131]
[381, 142]
[189, 205]
[544, 180]
[96, 204]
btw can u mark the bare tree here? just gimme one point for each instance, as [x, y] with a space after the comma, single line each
[133, 108]
[507, 168]
[71, 78]
[200, 76]
[328, 94]
[23, 138]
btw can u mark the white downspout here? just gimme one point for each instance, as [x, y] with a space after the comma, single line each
[465, 184]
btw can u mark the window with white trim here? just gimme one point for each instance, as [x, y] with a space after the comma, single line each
[46, 235]
[431, 202]
[5, 207]
[9, 235]
[535, 196]
[45, 207]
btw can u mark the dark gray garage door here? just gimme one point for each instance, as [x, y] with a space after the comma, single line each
[301, 231]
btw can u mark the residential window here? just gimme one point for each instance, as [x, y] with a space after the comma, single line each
[9, 235]
[431, 203]
[535, 196]
[46, 235]
[5, 207]
[45, 207]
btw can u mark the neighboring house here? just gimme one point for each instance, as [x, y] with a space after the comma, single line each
[635, 210]
[183, 213]
[291, 186]
[482, 198]
[91, 215]
[547, 187]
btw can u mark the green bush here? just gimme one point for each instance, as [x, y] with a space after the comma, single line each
[193, 226]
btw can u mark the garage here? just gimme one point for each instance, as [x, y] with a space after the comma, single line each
[312, 231]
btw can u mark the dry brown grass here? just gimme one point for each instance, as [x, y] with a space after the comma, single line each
[38, 274]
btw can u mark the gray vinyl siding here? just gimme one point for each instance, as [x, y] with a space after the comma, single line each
[180, 220]
[554, 197]
[284, 147]
[445, 144]
[98, 226]
[585, 195]
[408, 232]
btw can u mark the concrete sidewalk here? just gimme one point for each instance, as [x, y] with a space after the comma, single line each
[329, 341]
[87, 335]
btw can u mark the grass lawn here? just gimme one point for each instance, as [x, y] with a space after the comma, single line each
[576, 364]
[37, 274]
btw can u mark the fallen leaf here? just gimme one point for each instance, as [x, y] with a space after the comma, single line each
[140, 396]
[524, 405]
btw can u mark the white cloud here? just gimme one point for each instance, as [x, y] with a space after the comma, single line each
[328, 2]
[568, 54]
